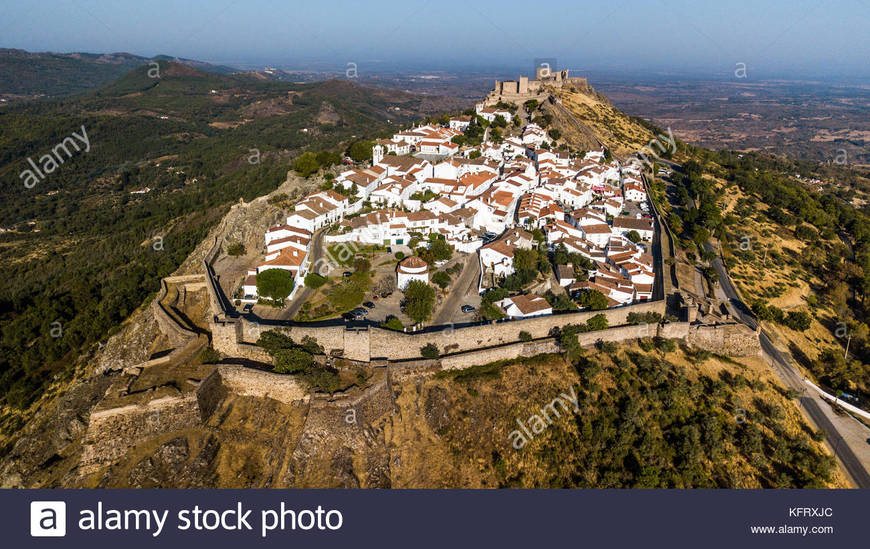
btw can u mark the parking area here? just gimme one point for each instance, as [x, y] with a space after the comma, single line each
[632, 209]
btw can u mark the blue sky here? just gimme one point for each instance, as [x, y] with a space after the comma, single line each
[796, 38]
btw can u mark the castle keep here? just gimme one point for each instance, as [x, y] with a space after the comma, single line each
[525, 89]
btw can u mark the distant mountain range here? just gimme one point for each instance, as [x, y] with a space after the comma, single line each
[27, 75]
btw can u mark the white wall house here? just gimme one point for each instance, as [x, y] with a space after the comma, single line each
[525, 306]
[410, 269]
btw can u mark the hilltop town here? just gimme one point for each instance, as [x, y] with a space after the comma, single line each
[536, 226]
[358, 291]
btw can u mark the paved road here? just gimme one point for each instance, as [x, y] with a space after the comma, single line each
[819, 411]
[466, 282]
[305, 293]
[813, 405]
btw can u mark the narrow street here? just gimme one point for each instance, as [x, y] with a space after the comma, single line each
[465, 284]
[305, 293]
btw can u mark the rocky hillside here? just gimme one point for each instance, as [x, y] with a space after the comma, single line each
[623, 416]
[581, 113]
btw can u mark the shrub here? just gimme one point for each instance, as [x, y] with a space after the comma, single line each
[525, 336]
[400, 255]
[430, 350]
[806, 233]
[597, 322]
[314, 281]
[393, 323]
[208, 356]
[322, 379]
[608, 347]
[644, 318]
[665, 345]
[235, 249]
[362, 265]
[798, 320]
[442, 279]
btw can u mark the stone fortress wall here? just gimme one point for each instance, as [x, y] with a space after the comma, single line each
[524, 89]
[484, 343]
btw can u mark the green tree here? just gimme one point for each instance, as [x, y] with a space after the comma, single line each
[597, 322]
[273, 341]
[292, 361]
[439, 248]
[314, 281]
[525, 260]
[419, 300]
[592, 300]
[798, 320]
[310, 345]
[442, 279]
[361, 150]
[634, 236]
[275, 284]
[306, 164]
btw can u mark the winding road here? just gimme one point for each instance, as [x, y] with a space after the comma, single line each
[841, 432]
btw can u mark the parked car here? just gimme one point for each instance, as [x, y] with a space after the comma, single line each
[248, 307]
[360, 311]
[386, 294]
[346, 274]
[468, 309]
[368, 305]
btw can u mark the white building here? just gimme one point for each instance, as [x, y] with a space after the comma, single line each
[525, 306]
[410, 269]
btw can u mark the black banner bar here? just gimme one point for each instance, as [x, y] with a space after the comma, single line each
[429, 518]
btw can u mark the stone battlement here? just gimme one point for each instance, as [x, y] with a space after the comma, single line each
[524, 89]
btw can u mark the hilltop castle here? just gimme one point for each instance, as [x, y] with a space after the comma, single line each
[524, 89]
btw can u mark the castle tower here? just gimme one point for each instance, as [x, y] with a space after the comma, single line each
[377, 154]
[523, 87]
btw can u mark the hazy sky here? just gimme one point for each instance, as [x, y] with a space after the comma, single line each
[774, 38]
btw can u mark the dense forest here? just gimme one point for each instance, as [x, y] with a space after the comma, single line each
[79, 251]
